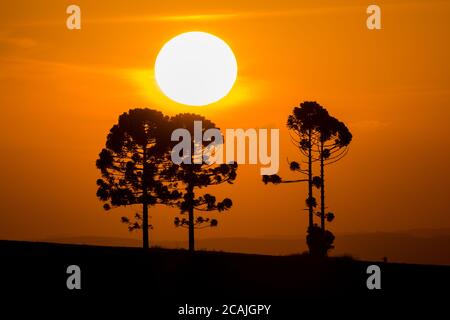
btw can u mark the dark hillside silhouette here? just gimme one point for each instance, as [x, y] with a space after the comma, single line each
[174, 275]
[411, 246]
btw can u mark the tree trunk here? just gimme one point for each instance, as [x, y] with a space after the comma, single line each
[322, 190]
[191, 220]
[145, 241]
[191, 230]
[310, 186]
[190, 190]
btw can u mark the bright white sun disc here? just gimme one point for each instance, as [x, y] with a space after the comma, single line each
[195, 68]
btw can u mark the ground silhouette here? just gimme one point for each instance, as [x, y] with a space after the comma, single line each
[178, 274]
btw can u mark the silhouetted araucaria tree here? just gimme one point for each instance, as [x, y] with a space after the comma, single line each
[304, 124]
[194, 176]
[319, 138]
[331, 146]
[137, 150]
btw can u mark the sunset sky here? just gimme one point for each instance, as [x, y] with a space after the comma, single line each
[61, 91]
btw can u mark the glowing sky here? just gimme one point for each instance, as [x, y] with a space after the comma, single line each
[61, 91]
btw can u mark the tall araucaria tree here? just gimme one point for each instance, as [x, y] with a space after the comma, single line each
[319, 138]
[304, 125]
[195, 175]
[332, 145]
[137, 151]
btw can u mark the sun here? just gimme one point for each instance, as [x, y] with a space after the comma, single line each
[196, 68]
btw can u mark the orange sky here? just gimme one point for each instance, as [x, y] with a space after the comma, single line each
[61, 91]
